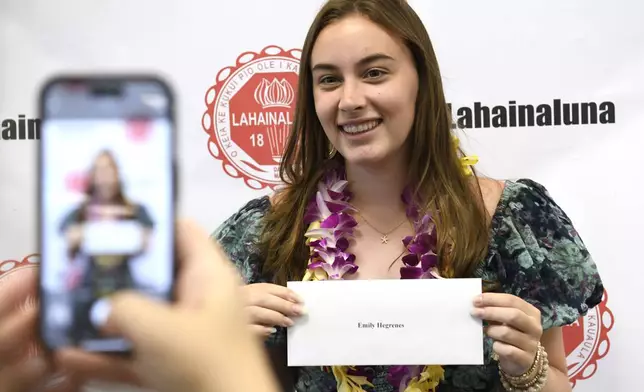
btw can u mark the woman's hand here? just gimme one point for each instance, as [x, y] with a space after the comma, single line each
[515, 327]
[269, 305]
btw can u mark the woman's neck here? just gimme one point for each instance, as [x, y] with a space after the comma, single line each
[377, 191]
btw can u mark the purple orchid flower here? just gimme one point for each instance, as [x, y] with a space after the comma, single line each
[335, 227]
[399, 376]
[335, 185]
[324, 206]
[341, 265]
[410, 272]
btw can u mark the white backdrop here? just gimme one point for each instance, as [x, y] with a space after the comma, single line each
[497, 52]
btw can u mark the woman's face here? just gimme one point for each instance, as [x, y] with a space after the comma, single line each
[365, 85]
[105, 178]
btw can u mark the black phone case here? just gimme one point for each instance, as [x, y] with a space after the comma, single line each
[94, 79]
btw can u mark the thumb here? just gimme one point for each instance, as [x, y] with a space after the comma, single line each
[138, 318]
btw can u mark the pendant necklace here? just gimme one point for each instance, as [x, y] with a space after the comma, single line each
[384, 239]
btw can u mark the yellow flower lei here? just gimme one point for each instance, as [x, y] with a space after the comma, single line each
[431, 375]
[466, 161]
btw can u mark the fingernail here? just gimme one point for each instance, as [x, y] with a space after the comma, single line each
[273, 330]
[477, 312]
[296, 298]
[299, 309]
[478, 300]
[288, 322]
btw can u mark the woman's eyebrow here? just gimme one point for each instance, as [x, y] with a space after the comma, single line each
[364, 61]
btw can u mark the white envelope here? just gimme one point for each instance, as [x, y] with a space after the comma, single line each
[112, 237]
[386, 322]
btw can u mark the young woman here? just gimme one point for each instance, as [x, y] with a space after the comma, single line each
[98, 275]
[377, 188]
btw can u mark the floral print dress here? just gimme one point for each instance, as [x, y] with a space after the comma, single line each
[534, 253]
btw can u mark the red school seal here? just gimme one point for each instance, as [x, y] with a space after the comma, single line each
[249, 114]
[586, 341]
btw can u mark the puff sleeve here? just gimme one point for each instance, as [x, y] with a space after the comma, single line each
[239, 236]
[540, 257]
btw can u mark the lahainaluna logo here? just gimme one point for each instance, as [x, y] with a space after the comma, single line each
[249, 115]
[586, 341]
[558, 113]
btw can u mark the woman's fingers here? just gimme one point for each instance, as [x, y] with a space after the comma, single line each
[511, 336]
[513, 360]
[268, 317]
[513, 317]
[278, 304]
[269, 305]
[262, 330]
[276, 290]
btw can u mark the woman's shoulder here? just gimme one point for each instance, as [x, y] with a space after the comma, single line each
[536, 253]
[239, 236]
[498, 194]
[245, 221]
[528, 202]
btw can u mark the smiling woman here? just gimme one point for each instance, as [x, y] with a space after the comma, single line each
[365, 101]
[377, 188]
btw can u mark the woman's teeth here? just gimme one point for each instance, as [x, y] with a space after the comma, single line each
[360, 128]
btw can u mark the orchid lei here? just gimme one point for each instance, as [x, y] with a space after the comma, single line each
[330, 225]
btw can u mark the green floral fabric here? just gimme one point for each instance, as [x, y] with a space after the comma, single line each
[535, 253]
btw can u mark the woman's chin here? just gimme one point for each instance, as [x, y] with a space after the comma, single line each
[363, 160]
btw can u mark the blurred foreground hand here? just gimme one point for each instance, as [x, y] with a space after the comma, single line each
[201, 343]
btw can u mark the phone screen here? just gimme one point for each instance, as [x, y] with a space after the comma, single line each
[106, 204]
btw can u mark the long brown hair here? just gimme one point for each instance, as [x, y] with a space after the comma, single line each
[434, 165]
[119, 197]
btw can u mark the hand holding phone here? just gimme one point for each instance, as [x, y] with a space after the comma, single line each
[106, 202]
[106, 155]
[201, 342]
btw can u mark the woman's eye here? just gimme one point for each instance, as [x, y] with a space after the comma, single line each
[374, 73]
[327, 80]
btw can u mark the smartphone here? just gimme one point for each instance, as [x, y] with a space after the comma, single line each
[107, 181]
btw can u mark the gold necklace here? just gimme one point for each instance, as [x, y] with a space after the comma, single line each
[384, 239]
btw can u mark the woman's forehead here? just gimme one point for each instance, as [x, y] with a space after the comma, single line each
[353, 40]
